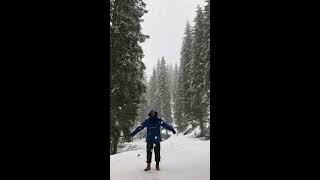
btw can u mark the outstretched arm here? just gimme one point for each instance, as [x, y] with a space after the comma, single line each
[139, 128]
[167, 126]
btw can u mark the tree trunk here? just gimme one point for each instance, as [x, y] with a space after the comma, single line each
[110, 147]
[201, 128]
[115, 147]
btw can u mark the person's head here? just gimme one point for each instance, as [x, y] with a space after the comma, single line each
[153, 113]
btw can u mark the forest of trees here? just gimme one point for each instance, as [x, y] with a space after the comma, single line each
[185, 89]
[180, 93]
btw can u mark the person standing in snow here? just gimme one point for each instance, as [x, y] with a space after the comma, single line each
[153, 138]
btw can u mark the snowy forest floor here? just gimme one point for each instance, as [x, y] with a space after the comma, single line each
[182, 157]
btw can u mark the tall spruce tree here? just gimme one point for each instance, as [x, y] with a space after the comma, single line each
[182, 106]
[206, 52]
[157, 103]
[143, 108]
[167, 110]
[175, 78]
[186, 57]
[164, 93]
[170, 79]
[126, 67]
[152, 90]
[197, 88]
[178, 105]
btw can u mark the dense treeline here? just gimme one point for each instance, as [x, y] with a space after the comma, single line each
[192, 103]
[186, 89]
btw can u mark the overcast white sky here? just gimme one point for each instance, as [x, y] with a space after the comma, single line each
[165, 23]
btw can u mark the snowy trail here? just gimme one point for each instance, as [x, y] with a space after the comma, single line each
[182, 157]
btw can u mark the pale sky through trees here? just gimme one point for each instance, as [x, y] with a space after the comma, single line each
[165, 23]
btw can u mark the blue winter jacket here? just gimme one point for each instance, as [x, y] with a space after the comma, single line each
[153, 129]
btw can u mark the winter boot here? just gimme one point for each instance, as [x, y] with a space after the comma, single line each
[148, 167]
[157, 166]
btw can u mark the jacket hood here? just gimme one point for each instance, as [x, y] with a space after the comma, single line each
[153, 110]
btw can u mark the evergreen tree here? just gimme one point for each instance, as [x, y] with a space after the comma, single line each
[143, 108]
[197, 88]
[157, 102]
[126, 67]
[175, 76]
[161, 86]
[206, 52]
[171, 79]
[152, 90]
[178, 105]
[186, 57]
[164, 93]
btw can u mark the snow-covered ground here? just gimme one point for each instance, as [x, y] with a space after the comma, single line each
[131, 146]
[183, 157]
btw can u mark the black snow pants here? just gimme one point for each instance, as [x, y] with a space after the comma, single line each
[156, 147]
